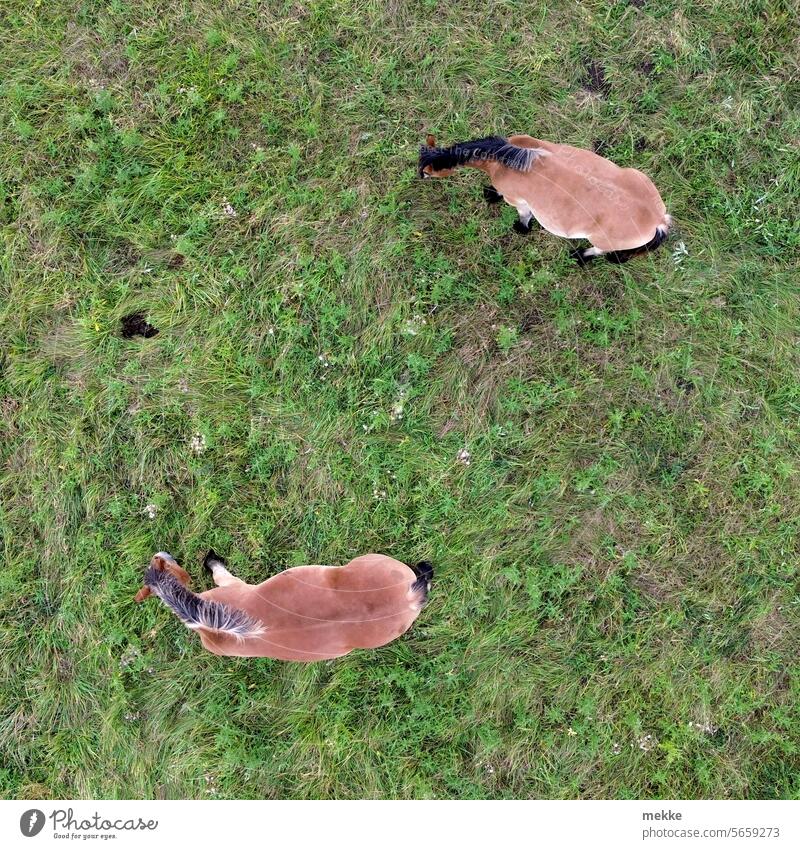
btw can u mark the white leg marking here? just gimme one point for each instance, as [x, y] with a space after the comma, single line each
[222, 577]
[592, 252]
[525, 213]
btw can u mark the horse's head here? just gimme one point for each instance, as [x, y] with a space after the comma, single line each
[163, 561]
[428, 154]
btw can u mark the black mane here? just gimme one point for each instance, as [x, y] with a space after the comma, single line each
[196, 612]
[494, 148]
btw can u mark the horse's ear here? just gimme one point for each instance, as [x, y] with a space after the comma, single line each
[143, 593]
[430, 140]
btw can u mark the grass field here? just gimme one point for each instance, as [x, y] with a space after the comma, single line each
[616, 607]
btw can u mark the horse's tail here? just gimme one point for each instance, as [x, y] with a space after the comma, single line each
[424, 572]
[662, 231]
[200, 613]
[492, 148]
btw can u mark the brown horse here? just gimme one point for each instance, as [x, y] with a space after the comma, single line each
[571, 192]
[306, 613]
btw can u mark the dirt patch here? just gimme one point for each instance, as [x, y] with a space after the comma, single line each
[595, 78]
[136, 324]
[647, 68]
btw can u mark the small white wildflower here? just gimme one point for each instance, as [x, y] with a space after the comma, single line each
[615, 748]
[464, 457]
[704, 727]
[571, 732]
[128, 656]
[228, 209]
[396, 413]
[326, 364]
[150, 511]
[413, 325]
[198, 443]
[378, 494]
[647, 742]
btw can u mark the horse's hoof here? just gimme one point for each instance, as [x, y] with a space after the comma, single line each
[210, 559]
[491, 195]
[522, 229]
[578, 256]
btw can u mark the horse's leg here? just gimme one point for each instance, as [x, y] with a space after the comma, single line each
[583, 256]
[491, 195]
[523, 224]
[216, 565]
[618, 257]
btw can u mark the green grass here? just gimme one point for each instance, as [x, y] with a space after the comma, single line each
[619, 557]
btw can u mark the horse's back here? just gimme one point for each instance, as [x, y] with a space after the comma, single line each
[320, 612]
[576, 193]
